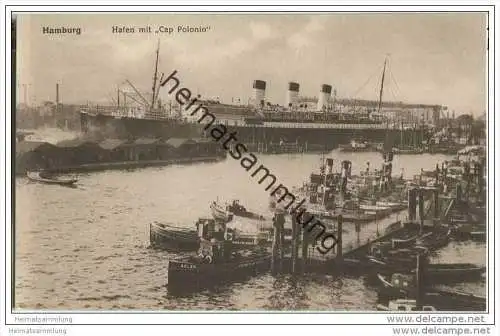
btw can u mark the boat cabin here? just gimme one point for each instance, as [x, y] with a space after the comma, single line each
[403, 281]
[236, 207]
[215, 240]
[407, 305]
[380, 249]
[209, 229]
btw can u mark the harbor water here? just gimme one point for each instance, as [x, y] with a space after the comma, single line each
[88, 247]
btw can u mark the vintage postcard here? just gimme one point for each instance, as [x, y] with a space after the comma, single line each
[251, 161]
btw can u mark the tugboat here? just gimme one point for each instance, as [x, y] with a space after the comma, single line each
[216, 262]
[331, 194]
[219, 212]
[233, 209]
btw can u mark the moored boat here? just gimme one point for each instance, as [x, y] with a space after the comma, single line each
[408, 150]
[235, 209]
[217, 262]
[442, 300]
[170, 237]
[174, 238]
[219, 212]
[435, 274]
[43, 178]
[357, 146]
[434, 240]
[403, 305]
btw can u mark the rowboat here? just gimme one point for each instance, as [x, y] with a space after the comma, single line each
[451, 300]
[404, 242]
[442, 300]
[476, 232]
[42, 178]
[433, 240]
[435, 274]
[174, 238]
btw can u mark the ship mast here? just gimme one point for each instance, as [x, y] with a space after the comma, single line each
[381, 87]
[387, 146]
[155, 77]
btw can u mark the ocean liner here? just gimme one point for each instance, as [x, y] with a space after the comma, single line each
[136, 115]
[323, 122]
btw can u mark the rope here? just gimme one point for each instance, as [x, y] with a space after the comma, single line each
[366, 83]
[395, 82]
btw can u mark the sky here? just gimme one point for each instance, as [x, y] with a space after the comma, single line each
[433, 58]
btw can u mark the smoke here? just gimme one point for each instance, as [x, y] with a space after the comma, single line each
[52, 135]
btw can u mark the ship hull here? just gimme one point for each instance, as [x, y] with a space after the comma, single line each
[125, 127]
[326, 136]
[306, 135]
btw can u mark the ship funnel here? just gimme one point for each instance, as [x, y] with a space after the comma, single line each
[324, 97]
[292, 94]
[329, 164]
[259, 92]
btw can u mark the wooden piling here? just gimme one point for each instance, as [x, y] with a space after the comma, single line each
[436, 206]
[305, 242]
[420, 277]
[275, 247]
[281, 223]
[339, 237]
[295, 243]
[357, 227]
[459, 192]
[421, 208]
[410, 204]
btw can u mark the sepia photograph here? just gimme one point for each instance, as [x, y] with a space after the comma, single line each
[250, 161]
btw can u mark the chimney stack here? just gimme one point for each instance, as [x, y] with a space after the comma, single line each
[259, 92]
[292, 94]
[57, 94]
[324, 97]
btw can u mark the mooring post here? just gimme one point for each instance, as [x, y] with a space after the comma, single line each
[436, 206]
[274, 249]
[295, 243]
[421, 208]
[480, 173]
[459, 192]
[410, 205]
[357, 227]
[305, 242]
[281, 223]
[420, 276]
[339, 237]
[437, 173]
